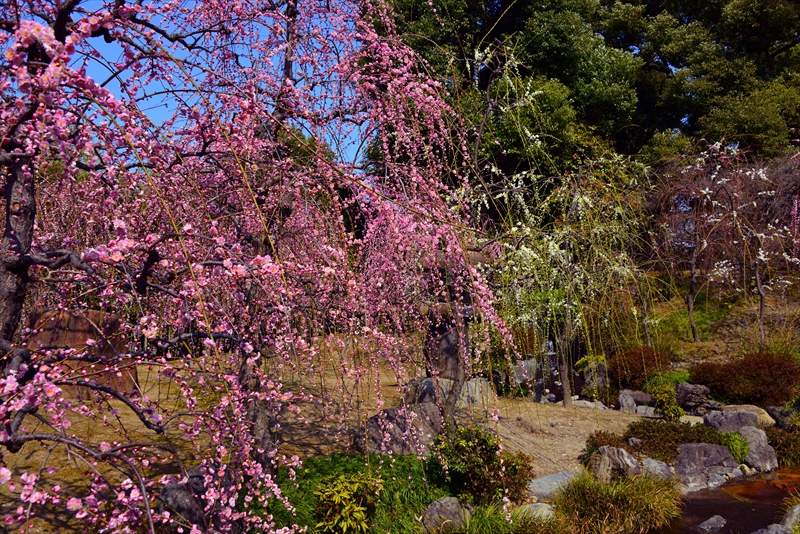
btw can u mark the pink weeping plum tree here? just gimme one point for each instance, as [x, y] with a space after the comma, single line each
[196, 169]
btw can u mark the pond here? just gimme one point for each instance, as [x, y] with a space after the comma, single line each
[746, 504]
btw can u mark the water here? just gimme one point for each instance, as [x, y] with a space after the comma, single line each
[747, 504]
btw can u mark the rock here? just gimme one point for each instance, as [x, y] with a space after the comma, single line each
[693, 398]
[730, 421]
[774, 529]
[545, 487]
[792, 517]
[611, 463]
[782, 417]
[634, 442]
[626, 402]
[647, 411]
[712, 524]
[73, 329]
[595, 405]
[701, 465]
[404, 430]
[476, 392]
[538, 510]
[445, 515]
[762, 456]
[764, 419]
[642, 398]
[595, 377]
[691, 420]
[656, 468]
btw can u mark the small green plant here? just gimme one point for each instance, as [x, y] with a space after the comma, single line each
[665, 402]
[472, 463]
[736, 444]
[634, 504]
[492, 519]
[344, 502]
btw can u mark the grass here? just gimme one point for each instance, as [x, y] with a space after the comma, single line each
[627, 505]
[491, 519]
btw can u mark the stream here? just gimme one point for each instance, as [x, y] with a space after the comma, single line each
[747, 504]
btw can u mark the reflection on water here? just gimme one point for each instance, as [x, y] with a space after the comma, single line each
[747, 504]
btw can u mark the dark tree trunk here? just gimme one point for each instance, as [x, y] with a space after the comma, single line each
[690, 297]
[20, 216]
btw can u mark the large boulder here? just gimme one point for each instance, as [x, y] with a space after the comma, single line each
[764, 419]
[774, 529]
[730, 421]
[701, 465]
[656, 469]
[762, 456]
[611, 463]
[404, 430]
[693, 398]
[626, 402]
[642, 399]
[446, 515]
[712, 524]
[595, 377]
[783, 418]
[792, 517]
[476, 392]
[543, 488]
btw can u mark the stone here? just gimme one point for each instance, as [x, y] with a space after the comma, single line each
[691, 420]
[446, 515]
[764, 419]
[626, 402]
[538, 510]
[647, 411]
[774, 529]
[404, 430]
[693, 398]
[702, 465]
[642, 398]
[595, 405]
[73, 329]
[476, 392]
[634, 442]
[544, 488]
[611, 463]
[792, 517]
[730, 421]
[595, 377]
[712, 524]
[762, 456]
[656, 468]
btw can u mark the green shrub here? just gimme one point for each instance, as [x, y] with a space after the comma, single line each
[631, 368]
[407, 490]
[470, 463]
[491, 519]
[786, 444]
[635, 504]
[671, 378]
[665, 401]
[661, 439]
[344, 502]
[761, 379]
[736, 444]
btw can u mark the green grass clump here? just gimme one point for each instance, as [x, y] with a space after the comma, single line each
[669, 378]
[786, 444]
[627, 505]
[736, 444]
[491, 519]
[661, 439]
[406, 492]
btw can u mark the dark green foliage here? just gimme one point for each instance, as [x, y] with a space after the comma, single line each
[407, 490]
[470, 463]
[786, 444]
[631, 368]
[660, 439]
[635, 504]
[761, 379]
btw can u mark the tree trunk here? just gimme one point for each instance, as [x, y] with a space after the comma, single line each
[690, 297]
[761, 301]
[17, 237]
[461, 334]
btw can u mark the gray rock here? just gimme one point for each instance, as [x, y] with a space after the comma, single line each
[642, 398]
[404, 430]
[647, 411]
[476, 392]
[538, 510]
[545, 487]
[764, 419]
[445, 515]
[701, 465]
[626, 402]
[594, 405]
[761, 456]
[730, 421]
[792, 517]
[634, 442]
[712, 524]
[693, 398]
[774, 529]
[595, 376]
[656, 469]
[611, 463]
